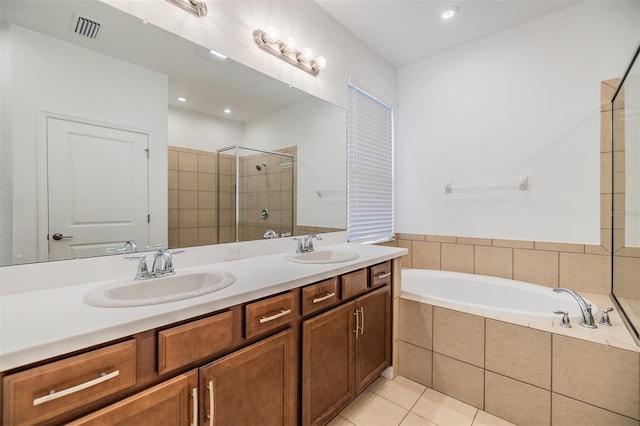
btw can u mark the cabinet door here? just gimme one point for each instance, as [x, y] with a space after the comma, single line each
[174, 402]
[253, 386]
[373, 344]
[328, 364]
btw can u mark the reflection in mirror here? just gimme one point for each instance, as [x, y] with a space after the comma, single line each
[626, 196]
[64, 95]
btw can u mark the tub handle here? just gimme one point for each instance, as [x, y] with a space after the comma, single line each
[605, 317]
[565, 322]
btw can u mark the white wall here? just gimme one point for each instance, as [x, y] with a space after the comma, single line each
[49, 75]
[195, 130]
[522, 102]
[322, 162]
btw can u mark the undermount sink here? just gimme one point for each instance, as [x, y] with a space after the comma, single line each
[322, 256]
[182, 285]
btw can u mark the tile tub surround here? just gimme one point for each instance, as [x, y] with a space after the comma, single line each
[529, 374]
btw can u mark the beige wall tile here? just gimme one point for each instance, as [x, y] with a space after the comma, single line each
[459, 380]
[459, 335]
[411, 237]
[517, 402]
[206, 200]
[415, 363]
[425, 255]
[626, 271]
[172, 159]
[416, 323]
[187, 162]
[187, 200]
[173, 179]
[207, 163]
[207, 218]
[174, 238]
[494, 261]
[606, 184]
[207, 182]
[513, 244]
[188, 237]
[597, 374]
[173, 199]
[440, 239]
[406, 259]
[207, 235]
[605, 131]
[596, 249]
[564, 247]
[174, 219]
[187, 181]
[567, 411]
[474, 241]
[536, 266]
[606, 220]
[585, 272]
[521, 353]
[456, 257]
[188, 218]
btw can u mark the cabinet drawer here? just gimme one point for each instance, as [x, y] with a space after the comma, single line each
[354, 283]
[319, 296]
[268, 314]
[380, 274]
[41, 393]
[187, 343]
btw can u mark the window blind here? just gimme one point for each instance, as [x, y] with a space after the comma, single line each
[369, 168]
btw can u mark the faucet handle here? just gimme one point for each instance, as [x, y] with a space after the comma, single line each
[565, 322]
[606, 321]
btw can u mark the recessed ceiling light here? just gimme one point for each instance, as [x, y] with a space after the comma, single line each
[227, 110]
[449, 12]
[182, 99]
[218, 54]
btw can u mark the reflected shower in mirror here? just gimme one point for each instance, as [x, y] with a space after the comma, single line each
[171, 107]
[625, 108]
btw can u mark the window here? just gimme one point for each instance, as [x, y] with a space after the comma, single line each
[369, 168]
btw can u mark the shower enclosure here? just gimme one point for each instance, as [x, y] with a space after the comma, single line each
[255, 193]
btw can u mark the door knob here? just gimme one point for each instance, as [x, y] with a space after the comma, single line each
[58, 236]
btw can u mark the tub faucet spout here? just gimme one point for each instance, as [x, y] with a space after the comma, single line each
[587, 316]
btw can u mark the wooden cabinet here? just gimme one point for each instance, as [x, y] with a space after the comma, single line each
[343, 351]
[319, 296]
[41, 393]
[184, 344]
[253, 386]
[268, 314]
[173, 402]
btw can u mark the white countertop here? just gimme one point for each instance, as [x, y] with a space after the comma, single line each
[36, 325]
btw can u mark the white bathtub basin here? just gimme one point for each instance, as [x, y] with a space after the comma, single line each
[322, 256]
[183, 285]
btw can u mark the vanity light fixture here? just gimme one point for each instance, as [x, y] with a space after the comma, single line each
[269, 41]
[197, 7]
[181, 99]
[227, 110]
[449, 13]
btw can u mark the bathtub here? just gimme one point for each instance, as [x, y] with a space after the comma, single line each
[488, 296]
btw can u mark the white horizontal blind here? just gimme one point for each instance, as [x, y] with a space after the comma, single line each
[369, 168]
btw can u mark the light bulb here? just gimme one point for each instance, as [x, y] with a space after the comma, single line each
[307, 55]
[289, 45]
[182, 99]
[449, 12]
[271, 35]
[321, 62]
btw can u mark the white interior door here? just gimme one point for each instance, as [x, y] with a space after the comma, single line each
[97, 188]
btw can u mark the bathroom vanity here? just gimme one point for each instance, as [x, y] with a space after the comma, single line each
[292, 349]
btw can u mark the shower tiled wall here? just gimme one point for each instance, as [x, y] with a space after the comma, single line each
[192, 197]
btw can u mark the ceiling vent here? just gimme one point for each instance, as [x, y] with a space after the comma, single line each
[85, 27]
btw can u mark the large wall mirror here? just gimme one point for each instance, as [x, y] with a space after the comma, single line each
[626, 196]
[96, 148]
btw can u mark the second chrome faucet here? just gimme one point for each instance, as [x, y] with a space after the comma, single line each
[585, 308]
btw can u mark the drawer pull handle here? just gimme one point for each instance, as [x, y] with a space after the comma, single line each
[82, 386]
[323, 298]
[357, 322]
[383, 275]
[362, 321]
[194, 398]
[275, 316]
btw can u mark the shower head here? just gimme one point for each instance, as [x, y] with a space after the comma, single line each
[260, 166]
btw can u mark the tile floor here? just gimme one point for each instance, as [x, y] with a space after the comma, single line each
[404, 402]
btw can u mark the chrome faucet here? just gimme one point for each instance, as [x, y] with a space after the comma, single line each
[163, 263]
[270, 233]
[305, 244]
[587, 316]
